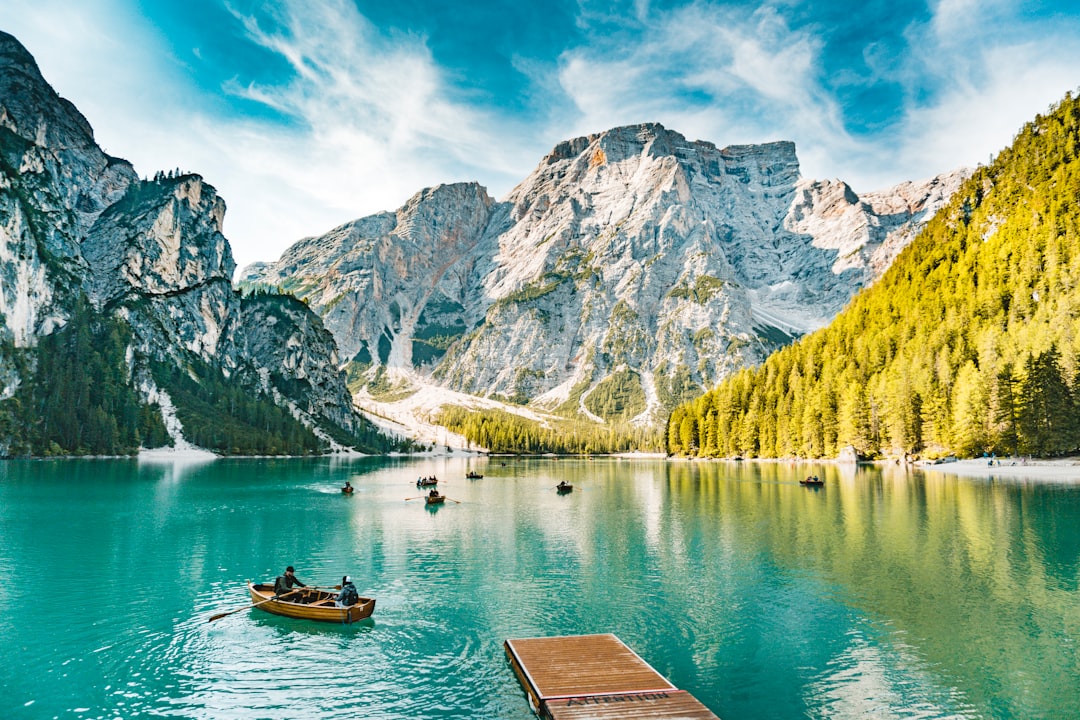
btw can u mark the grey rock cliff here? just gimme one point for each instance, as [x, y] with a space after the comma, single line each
[630, 264]
[391, 287]
[75, 221]
[54, 182]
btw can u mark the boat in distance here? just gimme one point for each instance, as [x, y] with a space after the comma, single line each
[813, 480]
[310, 605]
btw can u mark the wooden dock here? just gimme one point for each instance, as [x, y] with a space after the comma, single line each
[587, 677]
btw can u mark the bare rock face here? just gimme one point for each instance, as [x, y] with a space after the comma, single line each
[74, 221]
[391, 287]
[54, 182]
[295, 358]
[630, 270]
[158, 257]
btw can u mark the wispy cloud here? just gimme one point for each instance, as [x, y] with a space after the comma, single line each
[975, 74]
[718, 73]
[733, 75]
[374, 118]
[364, 115]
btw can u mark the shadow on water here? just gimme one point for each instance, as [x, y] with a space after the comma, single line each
[283, 625]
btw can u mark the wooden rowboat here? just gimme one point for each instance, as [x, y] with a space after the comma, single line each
[812, 481]
[347, 491]
[435, 499]
[473, 476]
[426, 482]
[321, 605]
[564, 487]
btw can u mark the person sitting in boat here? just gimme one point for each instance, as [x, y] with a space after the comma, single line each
[348, 595]
[433, 493]
[348, 487]
[285, 583]
[563, 485]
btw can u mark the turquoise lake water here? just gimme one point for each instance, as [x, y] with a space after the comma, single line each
[885, 594]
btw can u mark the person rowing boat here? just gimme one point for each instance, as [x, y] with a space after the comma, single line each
[284, 583]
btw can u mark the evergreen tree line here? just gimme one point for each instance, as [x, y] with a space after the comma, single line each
[76, 396]
[228, 417]
[504, 432]
[969, 343]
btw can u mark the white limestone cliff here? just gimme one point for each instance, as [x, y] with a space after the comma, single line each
[629, 271]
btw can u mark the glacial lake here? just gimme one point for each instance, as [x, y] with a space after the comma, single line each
[886, 594]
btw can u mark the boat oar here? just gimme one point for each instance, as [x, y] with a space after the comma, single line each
[453, 500]
[248, 607]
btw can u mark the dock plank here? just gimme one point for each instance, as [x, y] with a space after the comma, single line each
[641, 706]
[596, 677]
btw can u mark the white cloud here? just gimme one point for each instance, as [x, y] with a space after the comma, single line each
[967, 87]
[973, 120]
[376, 124]
[373, 119]
[759, 75]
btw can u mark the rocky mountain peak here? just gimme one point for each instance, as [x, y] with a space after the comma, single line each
[32, 109]
[162, 237]
[630, 269]
[391, 286]
[75, 221]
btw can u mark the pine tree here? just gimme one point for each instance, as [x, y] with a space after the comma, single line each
[927, 359]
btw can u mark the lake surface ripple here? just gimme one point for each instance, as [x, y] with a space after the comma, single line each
[885, 594]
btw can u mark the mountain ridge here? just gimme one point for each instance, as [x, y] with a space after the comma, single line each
[632, 261]
[967, 345]
[139, 275]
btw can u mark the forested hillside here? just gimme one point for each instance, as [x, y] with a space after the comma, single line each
[76, 397]
[968, 344]
[504, 432]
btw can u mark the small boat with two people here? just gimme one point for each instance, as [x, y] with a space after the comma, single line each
[309, 604]
[427, 481]
[473, 475]
[812, 480]
[564, 487]
[434, 498]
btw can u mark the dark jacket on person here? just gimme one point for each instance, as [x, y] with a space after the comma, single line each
[348, 595]
[284, 584]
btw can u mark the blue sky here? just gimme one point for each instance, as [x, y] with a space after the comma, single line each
[308, 113]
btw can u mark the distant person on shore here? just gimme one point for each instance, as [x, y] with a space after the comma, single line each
[348, 595]
[285, 583]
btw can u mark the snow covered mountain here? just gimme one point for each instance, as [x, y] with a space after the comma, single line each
[629, 271]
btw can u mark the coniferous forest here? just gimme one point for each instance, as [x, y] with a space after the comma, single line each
[505, 432]
[969, 343]
[78, 398]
